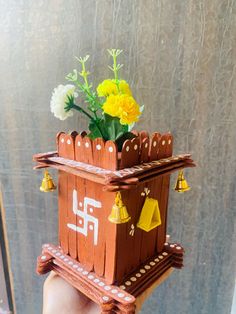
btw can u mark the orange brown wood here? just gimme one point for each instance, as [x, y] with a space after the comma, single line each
[90, 173]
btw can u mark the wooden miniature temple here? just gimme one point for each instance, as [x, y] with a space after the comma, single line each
[112, 263]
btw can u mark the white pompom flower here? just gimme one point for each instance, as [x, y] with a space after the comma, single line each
[58, 101]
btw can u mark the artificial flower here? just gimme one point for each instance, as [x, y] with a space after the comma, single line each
[122, 106]
[109, 87]
[58, 101]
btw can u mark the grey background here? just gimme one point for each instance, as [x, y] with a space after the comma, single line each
[179, 57]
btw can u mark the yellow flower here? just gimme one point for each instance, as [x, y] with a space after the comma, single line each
[122, 106]
[109, 87]
[106, 88]
[124, 88]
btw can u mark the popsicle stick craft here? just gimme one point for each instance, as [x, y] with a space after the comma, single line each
[113, 189]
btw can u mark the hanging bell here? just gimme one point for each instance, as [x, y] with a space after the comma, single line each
[47, 183]
[119, 214]
[181, 184]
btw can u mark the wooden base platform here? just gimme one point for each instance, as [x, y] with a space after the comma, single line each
[111, 298]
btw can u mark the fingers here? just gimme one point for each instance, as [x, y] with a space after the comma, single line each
[60, 297]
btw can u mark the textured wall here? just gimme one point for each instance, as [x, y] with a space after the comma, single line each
[180, 59]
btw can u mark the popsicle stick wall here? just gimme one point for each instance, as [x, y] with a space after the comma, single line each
[110, 250]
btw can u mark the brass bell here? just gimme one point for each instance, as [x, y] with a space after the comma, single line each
[181, 184]
[119, 214]
[47, 183]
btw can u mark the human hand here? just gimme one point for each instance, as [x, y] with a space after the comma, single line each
[59, 297]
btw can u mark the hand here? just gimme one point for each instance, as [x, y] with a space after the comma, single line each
[59, 297]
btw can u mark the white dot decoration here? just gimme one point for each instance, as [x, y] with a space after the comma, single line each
[62, 257]
[79, 144]
[75, 266]
[163, 142]
[178, 248]
[133, 279]
[43, 258]
[128, 283]
[101, 284]
[121, 295]
[166, 244]
[122, 287]
[90, 277]
[62, 140]
[58, 254]
[146, 145]
[156, 260]
[172, 245]
[110, 149]
[154, 144]
[54, 251]
[68, 142]
[80, 269]
[107, 288]
[135, 147]
[114, 291]
[66, 260]
[46, 245]
[50, 248]
[85, 272]
[105, 298]
[96, 280]
[90, 227]
[160, 257]
[80, 204]
[70, 263]
[80, 221]
[91, 210]
[169, 142]
[147, 267]
[128, 299]
[142, 271]
[138, 275]
[87, 144]
[164, 254]
[127, 148]
[98, 147]
[152, 263]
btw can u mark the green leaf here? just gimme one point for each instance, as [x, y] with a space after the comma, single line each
[114, 128]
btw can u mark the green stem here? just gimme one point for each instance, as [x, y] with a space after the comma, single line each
[89, 116]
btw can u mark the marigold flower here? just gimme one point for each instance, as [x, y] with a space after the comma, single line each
[109, 87]
[122, 106]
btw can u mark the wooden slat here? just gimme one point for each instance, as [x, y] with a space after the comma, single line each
[163, 153]
[110, 228]
[80, 188]
[148, 242]
[62, 196]
[111, 156]
[164, 196]
[70, 153]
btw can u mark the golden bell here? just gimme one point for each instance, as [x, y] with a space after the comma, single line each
[119, 214]
[181, 184]
[47, 183]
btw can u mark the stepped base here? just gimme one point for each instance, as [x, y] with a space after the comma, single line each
[111, 298]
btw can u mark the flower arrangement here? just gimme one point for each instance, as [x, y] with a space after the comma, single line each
[111, 109]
